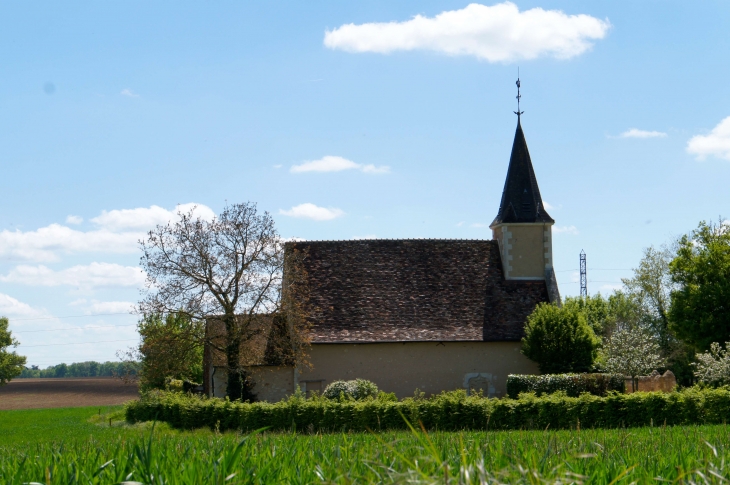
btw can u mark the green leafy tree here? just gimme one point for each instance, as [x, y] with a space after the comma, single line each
[604, 315]
[648, 293]
[631, 352]
[81, 369]
[595, 309]
[61, 370]
[560, 339]
[651, 287]
[11, 364]
[171, 347]
[700, 303]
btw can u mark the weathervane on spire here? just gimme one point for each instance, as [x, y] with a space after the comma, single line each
[518, 112]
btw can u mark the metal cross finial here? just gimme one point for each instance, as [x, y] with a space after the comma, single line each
[518, 112]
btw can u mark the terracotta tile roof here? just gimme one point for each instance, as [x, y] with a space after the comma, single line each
[414, 290]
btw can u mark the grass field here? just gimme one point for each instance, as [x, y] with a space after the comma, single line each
[77, 446]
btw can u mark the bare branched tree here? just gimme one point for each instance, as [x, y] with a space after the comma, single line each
[230, 269]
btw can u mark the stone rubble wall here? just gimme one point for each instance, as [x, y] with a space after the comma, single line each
[654, 383]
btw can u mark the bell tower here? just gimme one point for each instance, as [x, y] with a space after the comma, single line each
[523, 228]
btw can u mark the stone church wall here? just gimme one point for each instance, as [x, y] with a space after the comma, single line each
[273, 383]
[431, 367]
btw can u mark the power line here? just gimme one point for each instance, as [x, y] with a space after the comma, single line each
[596, 269]
[589, 281]
[73, 328]
[79, 343]
[70, 316]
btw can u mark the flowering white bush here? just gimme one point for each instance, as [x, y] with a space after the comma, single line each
[357, 389]
[713, 367]
[631, 352]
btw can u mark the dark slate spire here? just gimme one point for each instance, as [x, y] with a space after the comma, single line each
[521, 201]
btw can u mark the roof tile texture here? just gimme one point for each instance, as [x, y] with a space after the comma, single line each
[414, 290]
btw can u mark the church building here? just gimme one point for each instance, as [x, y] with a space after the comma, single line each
[427, 314]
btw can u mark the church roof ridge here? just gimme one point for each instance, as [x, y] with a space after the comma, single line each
[389, 239]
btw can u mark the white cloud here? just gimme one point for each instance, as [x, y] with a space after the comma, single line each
[46, 243]
[311, 211]
[11, 307]
[94, 275]
[636, 133]
[98, 307]
[94, 307]
[611, 287]
[479, 224]
[118, 232]
[460, 223]
[332, 163]
[498, 33]
[717, 143]
[565, 230]
[146, 218]
[128, 93]
[360, 238]
[74, 220]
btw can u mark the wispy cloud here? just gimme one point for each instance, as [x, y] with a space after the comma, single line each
[611, 287]
[311, 211]
[94, 275]
[148, 217]
[551, 207]
[716, 144]
[478, 224]
[332, 163]
[101, 307]
[572, 230]
[129, 93]
[498, 33]
[74, 220]
[636, 133]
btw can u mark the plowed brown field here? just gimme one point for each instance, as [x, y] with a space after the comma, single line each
[59, 393]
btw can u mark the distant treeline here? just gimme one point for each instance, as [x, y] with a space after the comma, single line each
[81, 369]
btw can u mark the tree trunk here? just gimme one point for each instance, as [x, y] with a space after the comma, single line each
[239, 385]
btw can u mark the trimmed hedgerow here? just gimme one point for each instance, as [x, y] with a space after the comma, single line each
[572, 384]
[447, 411]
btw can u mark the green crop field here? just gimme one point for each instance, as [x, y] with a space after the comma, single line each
[78, 446]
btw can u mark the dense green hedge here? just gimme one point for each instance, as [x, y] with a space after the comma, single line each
[572, 384]
[448, 411]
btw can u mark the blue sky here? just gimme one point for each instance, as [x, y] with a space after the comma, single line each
[112, 114]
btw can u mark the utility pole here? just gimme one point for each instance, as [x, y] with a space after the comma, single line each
[583, 278]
